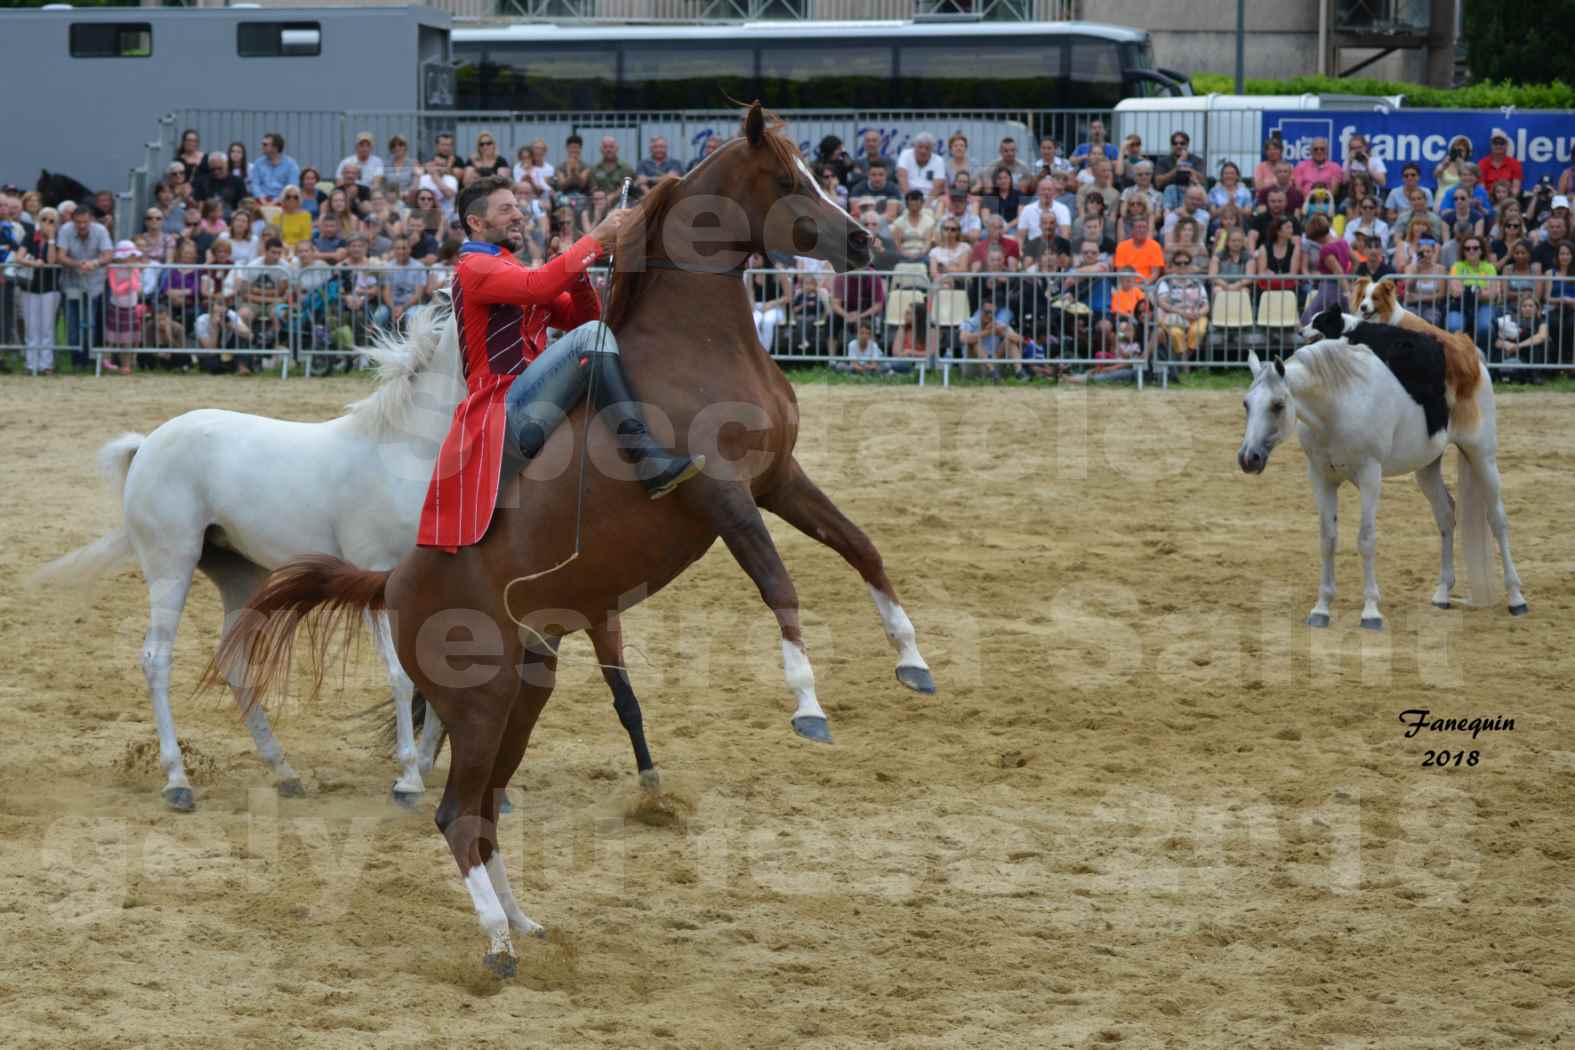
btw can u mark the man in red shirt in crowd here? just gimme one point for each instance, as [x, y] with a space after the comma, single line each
[517, 394]
[1498, 164]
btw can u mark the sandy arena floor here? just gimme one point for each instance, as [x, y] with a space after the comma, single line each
[1147, 809]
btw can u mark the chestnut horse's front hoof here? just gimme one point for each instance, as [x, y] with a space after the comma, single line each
[918, 679]
[501, 965]
[812, 727]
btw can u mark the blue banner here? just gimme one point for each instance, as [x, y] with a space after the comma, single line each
[1541, 141]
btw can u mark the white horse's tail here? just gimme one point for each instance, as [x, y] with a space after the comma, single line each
[1471, 522]
[86, 564]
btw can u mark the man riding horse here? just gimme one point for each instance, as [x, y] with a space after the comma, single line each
[517, 394]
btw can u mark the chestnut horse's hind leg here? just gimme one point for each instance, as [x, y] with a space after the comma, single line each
[737, 520]
[607, 637]
[800, 503]
[478, 721]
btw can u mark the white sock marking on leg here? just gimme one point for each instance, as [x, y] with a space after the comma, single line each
[800, 680]
[498, 872]
[900, 630]
[494, 921]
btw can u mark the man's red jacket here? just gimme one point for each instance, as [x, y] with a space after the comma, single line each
[503, 311]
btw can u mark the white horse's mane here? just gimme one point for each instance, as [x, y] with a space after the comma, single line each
[1334, 364]
[399, 363]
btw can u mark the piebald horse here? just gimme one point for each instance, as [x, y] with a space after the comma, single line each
[1369, 401]
[688, 339]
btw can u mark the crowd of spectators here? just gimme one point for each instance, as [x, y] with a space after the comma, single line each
[1117, 253]
[1106, 252]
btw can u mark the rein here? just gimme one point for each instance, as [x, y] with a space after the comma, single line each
[579, 496]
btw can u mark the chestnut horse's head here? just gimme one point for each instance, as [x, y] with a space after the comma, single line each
[756, 194]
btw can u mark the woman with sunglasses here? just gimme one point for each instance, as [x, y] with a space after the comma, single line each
[1366, 222]
[155, 245]
[1472, 290]
[40, 291]
[951, 254]
[486, 161]
[295, 222]
[1505, 234]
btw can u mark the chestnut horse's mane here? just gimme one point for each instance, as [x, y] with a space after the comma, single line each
[637, 236]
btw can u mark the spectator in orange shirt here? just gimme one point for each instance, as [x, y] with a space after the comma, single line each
[1499, 165]
[1141, 253]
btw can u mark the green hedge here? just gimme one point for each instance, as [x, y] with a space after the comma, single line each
[1484, 95]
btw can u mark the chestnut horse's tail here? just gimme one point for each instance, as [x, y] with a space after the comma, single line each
[256, 648]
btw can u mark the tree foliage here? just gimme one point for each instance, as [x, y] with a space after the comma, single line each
[1519, 41]
[1486, 94]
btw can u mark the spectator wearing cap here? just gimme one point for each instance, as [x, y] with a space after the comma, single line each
[1095, 147]
[1006, 157]
[1398, 199]
[273, 171]
[368, 165]
[963, 210]
[1359, 158]
[217, 181]
[658, 164]
[1178, 169]
[1044, 202]
[918, 168]
[1316, 168]
[1498, 166]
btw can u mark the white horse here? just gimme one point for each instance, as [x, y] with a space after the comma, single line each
[1372, 403]
[238, 495]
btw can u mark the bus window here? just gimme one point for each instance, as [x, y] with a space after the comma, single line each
[985, 75]
[111, 40]
[1095, 69]
[685, 77]
[557, 79]
[821, 75]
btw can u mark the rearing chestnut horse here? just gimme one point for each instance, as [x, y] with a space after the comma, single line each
[684, 324]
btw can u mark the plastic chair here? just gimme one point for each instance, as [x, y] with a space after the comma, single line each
[1278, 309]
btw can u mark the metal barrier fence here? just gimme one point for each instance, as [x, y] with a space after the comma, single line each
[919, 320]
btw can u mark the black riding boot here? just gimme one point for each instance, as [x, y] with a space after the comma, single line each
[555, 383]
[660, 469]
